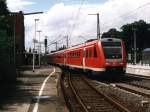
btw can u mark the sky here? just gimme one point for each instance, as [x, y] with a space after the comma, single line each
[71, 17]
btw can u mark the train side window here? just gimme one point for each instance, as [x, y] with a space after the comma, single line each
[72, 54]
[79, 53]
[90, 53]
[95, 52]
[86, 53]
[76, 54]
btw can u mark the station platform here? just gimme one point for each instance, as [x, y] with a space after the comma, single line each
[37, 91]
[138, 69]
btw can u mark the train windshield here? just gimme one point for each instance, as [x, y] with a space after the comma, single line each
[112, 50]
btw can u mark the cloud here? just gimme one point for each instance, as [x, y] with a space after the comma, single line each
[73, 20]
[17, 5]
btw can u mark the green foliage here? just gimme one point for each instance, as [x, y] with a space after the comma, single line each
[4, 13]
[3, 8]
[142, 34]
[7, 63]
[112, 33]
[142, 30]
[5, 32]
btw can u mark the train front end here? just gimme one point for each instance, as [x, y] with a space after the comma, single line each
[115, 54]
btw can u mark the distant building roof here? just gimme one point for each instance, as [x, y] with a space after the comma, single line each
[146, 50]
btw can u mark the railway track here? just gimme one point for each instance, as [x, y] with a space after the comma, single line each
[135, 84]
[139, 81]
[86, 98]
[141, 90]
[139, 76]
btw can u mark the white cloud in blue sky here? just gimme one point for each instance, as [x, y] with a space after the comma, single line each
[62, 17]
[17, 5]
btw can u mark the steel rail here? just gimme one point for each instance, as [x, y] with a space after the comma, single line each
[110, 99]
[138, 76]
[77, 96]
[133, 90]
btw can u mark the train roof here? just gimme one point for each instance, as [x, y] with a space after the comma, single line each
[89, 42]
[84, 44]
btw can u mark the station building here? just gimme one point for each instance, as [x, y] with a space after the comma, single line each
[17, 19]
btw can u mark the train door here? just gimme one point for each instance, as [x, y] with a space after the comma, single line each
[86, 56]
[83, 59]
[65, 56]
[89, 57]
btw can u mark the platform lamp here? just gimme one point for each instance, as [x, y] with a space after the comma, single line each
[39, 31]
[34, 40]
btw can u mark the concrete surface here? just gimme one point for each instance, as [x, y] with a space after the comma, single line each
[138, 69]
[22, 95]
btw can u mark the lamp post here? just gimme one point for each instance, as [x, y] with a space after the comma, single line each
[67, 41]
[14, 39]
[135, 53]
[34, 45]
[98, 25]
[39, 31]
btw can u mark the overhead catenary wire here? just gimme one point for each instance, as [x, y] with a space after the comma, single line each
[71, 28]
[125, 15]
[76, 18]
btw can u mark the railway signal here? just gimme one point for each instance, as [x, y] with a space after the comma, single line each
[45, 44]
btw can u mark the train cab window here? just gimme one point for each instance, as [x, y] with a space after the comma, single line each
[95, 52]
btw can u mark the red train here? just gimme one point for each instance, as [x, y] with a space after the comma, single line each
[97, 55]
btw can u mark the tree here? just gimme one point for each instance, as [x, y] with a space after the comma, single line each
[142, 36]
[4, 13]
[112, 33]
[7, 47]
[142, 30]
